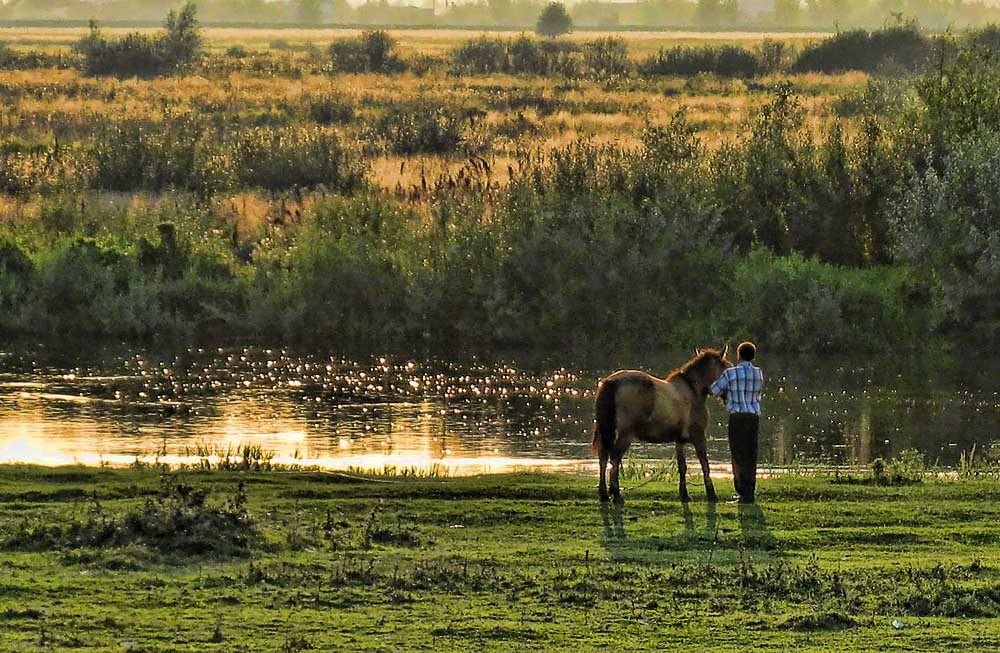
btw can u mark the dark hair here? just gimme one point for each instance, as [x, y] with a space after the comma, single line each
[746, 351]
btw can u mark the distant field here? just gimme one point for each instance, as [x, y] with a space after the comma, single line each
[411, 41]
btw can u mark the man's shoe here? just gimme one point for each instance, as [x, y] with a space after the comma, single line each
[746, 500]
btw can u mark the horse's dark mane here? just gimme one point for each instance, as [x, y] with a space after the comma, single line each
[696, 361]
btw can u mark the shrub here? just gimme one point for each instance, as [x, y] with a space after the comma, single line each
[723, 60]
[960, 99]
[481, 56]
[296, 157]
[419, 130]
[184, 154]
[138, 55]
[949, 233]
[905, 46]
[131, 155]
[583, 256]
[372, 52]
[607, 57]
[802, 304]
[36, 168]
[11, 59]
[773, 56]
[345, 279]
[528, 56]
[330, 109]
[16, 272]
[985, 39]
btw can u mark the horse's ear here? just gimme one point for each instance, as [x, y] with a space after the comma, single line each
[725, 350]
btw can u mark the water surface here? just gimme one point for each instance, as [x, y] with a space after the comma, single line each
[465, 414]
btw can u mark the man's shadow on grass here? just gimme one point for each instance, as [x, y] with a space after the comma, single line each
[753, 528]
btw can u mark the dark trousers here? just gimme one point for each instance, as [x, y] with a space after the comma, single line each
[743, 430]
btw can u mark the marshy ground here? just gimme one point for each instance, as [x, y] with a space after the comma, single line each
[109, 560]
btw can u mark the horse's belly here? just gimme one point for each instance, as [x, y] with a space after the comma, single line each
[660, 434]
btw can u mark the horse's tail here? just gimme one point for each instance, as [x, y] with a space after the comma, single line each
[604, 412]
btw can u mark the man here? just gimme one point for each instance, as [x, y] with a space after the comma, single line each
[741, 388]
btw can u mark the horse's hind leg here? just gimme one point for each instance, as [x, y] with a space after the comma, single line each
[682, 469]
[701, 448]
[616, 464]
[603, 487]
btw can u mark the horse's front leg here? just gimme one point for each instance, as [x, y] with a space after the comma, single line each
[701, 448]
[602, 491]
[682, 472]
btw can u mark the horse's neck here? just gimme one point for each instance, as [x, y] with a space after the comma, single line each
[693, 382]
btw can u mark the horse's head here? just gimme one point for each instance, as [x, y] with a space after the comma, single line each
[720, 361]
[709, 364]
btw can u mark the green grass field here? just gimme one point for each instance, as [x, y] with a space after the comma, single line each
[99, 560]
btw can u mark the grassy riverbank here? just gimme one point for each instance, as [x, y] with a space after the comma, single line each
[99, 559]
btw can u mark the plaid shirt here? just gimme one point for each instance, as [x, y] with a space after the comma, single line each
[743, 386]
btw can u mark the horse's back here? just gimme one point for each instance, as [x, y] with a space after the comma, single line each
[651, 409]
[635, 395]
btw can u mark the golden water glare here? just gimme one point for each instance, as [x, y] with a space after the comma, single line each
[30, 435]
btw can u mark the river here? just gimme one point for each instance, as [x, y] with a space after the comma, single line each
[460, 414]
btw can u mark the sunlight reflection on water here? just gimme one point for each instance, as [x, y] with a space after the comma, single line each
[468, 416]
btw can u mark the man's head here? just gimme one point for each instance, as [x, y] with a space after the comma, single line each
[746, 351]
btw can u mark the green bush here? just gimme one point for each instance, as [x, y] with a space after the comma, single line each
[904, 46]
[481, 56]
[372, 52]
[138, 55]
[419, 129]
[185, 154]
[722, 60]
[296, 158]
[345, 280]
[960, 99]
[798, 303]
[529, 56]
[330, 109]
[949, 233]
[178, 154]
[607, 57]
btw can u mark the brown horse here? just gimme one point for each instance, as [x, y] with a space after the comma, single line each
[634, 405]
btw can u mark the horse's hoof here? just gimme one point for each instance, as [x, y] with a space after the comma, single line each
[604, 497]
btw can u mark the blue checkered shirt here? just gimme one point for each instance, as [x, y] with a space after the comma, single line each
[744, 385]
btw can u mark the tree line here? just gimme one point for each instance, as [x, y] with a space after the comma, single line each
[705, 14]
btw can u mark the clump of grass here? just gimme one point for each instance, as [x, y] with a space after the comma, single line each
[909, 467]
[435, 470]
[178, 520]
[828, 620]
[906, 469]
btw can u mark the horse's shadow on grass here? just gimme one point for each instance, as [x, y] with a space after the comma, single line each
[705, 535]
